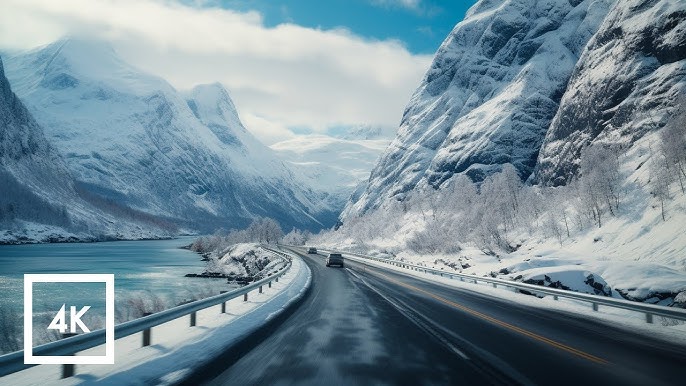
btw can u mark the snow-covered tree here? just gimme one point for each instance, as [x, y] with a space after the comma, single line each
[295, 237]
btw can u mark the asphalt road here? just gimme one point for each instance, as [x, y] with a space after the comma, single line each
[367, 325]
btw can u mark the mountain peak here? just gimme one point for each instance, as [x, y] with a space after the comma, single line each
[67, 62]
[211, 94]
[86, 54]
[212, 105]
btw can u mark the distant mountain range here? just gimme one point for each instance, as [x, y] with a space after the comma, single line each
[129, 140]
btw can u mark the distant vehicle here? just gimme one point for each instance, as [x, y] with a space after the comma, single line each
[311, 250]
[334, 259]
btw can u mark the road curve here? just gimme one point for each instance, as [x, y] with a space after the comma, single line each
[369, 325]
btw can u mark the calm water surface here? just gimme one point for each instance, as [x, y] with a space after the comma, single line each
[142, 267]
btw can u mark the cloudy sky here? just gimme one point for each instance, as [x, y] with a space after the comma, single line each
[290, 66]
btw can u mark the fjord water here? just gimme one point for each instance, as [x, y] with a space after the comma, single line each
[146, 267]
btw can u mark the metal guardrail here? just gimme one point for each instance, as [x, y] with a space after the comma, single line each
[13, 362]
[648, 309]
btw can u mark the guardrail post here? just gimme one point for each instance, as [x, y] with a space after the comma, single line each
[260, 289]
[245, 297]
[649, 317]
[595, 306]
[147, 333]
[193, 318]
[68, 370]
[277, 279]
[270, 284]
[495, 285]
[554, 297]
[223, 303]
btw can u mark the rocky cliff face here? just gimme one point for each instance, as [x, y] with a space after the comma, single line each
[531, 82]
[627, 82]
[489, 96]
[130, 138]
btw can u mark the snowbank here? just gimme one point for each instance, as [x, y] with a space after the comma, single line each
[569, 278]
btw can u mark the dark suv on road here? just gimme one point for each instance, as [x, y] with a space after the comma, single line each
[312, 250]
[334, 259]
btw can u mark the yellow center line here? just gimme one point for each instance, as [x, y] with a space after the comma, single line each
[509, 326]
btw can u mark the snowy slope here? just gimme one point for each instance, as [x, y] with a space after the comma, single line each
[491, 92]
[627, 83]
[131, 138]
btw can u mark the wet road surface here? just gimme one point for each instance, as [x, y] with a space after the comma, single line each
[368, 325]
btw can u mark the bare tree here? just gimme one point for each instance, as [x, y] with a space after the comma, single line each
[659, 182]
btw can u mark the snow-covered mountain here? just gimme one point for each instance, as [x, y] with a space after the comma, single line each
[530, 83]
[627, 83]
[129, 137]
[38, 199]
[492, 90]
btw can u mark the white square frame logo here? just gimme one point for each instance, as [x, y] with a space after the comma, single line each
[108, 358]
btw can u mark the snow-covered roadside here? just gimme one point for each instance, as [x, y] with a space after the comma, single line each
[653, 282]
[662, 329]
[638, 252]
[177, 348]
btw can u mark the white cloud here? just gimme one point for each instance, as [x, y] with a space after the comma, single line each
[279, 77]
